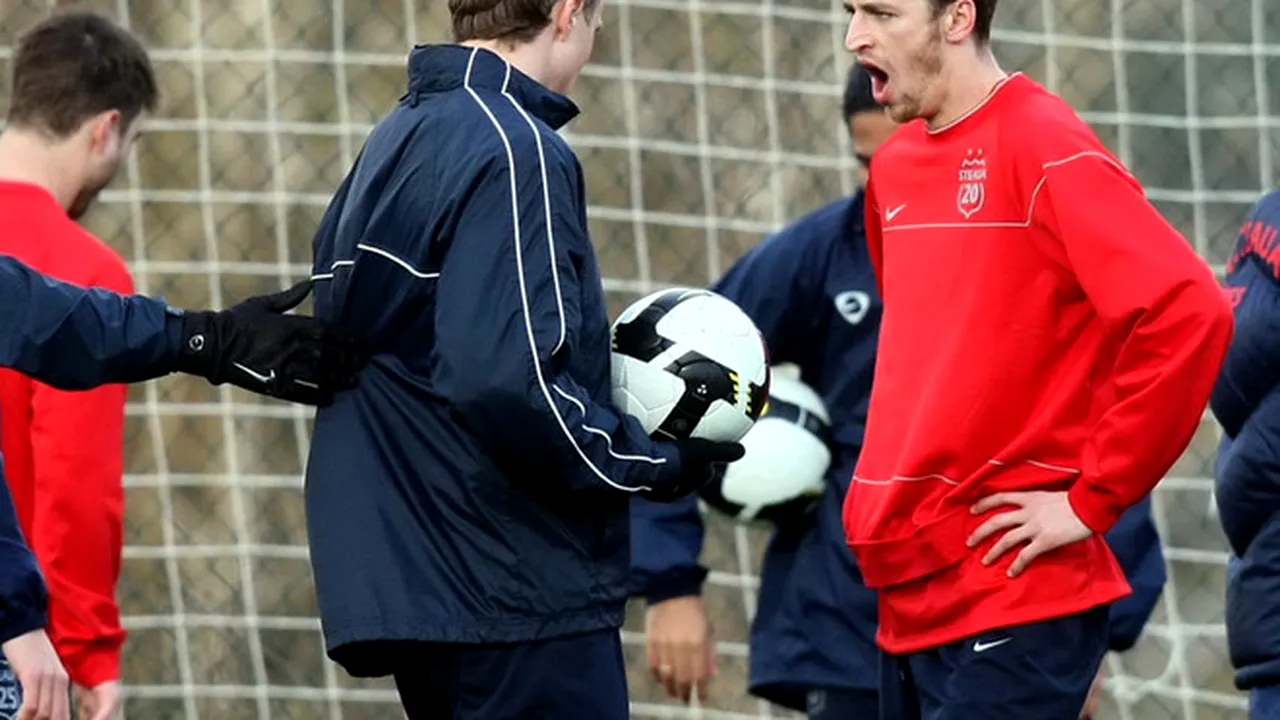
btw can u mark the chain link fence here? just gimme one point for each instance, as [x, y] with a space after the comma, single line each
[707, 124]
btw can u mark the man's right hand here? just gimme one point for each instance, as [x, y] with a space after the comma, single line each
[682, 653]
[45, 684]
[257, 346]
[699, 461]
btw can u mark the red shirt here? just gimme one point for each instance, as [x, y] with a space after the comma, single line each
[64, 451]
[1044, 328]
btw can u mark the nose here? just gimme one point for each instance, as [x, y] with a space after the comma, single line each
[857, 39]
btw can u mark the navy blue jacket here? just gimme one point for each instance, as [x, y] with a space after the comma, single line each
[474, 487]
[811, 290]
[1246, 402]
[73, 339]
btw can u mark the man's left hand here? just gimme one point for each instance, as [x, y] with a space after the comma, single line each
[102, 702]
[1042, 521]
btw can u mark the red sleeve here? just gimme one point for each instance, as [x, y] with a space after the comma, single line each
[77, 444]
[1147, 283]
[874, 235]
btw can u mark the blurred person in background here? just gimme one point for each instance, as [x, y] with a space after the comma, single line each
[811, 290]
[1246, 402]
[80, 86]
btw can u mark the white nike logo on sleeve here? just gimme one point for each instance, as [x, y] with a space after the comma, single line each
[892, 213]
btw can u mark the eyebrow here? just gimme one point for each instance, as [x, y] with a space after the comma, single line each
[873, 6]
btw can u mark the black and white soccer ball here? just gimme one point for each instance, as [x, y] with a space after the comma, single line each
[689, 363]
[784, 470]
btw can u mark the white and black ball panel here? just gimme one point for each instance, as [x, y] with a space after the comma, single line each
[635, 332]
[662, 390]
[787, 458]
[657, 304]
[711, 349]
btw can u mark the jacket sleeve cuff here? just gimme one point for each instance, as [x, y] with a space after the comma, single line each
[1093, 508]
[20, 621]
[24, 598]
[685, 583]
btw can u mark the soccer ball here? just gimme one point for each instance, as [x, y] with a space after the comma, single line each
[787, 457]
[689, 363]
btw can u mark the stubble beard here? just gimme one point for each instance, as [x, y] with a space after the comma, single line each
[910, 105]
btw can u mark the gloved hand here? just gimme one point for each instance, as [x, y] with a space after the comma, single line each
[256, 346]
[700, 460]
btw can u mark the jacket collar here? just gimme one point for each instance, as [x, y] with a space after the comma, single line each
[438, 68]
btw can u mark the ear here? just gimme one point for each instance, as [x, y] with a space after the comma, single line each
[565, 15]
[105, 128]
[958, 21]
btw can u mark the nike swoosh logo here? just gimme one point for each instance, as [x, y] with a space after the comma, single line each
[980, 646]
[264, 379]
[891, 214]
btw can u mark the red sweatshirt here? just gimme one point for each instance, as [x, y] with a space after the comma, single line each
[64, 451]
[1044, 328]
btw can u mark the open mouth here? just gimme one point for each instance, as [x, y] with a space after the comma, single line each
[879, 81]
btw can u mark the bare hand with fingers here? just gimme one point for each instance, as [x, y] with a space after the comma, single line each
[45, 687]
[1042, 521]
[682, 653]
[101, 702]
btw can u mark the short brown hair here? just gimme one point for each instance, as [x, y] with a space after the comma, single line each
[74, 65]
[986, 12]
[515, 21]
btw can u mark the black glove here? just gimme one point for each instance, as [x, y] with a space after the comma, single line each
[700, 460]
[256, 346]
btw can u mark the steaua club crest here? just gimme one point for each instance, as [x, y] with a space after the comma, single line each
[973, 183]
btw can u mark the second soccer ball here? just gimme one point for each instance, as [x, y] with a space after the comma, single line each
[690, 363]
[787, 458]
